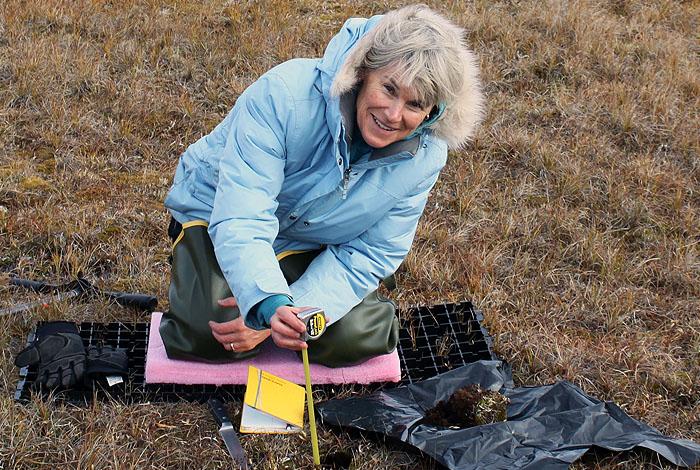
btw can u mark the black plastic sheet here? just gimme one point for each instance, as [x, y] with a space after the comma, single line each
[548, 427]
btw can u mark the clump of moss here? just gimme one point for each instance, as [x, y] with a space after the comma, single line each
[34, 182]
[469, 406]
[47, 166]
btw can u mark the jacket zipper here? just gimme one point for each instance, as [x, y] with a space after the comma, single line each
[346, 182]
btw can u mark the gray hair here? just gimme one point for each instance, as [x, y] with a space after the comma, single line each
[424, 49]
[426, 52]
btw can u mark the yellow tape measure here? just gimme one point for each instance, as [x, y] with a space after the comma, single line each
[315, 321]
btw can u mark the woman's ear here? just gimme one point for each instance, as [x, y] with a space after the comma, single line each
[432, 112]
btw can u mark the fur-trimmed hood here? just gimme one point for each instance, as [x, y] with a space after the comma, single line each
[342, 59]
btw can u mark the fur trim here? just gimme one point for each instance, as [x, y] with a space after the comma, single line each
[458, 123]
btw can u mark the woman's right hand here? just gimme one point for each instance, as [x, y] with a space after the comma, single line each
[286, 329]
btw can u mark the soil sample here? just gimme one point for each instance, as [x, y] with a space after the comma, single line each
[468, 406]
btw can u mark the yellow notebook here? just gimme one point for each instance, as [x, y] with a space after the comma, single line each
[272, 405]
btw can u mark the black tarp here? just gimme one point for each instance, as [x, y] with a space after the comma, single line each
[548, 426]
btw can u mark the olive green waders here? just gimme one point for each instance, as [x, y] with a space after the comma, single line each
[369, 329]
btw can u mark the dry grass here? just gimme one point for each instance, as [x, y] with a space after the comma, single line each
[573, 220]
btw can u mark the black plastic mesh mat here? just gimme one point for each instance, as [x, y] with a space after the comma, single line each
[436, 339]
[433, 340]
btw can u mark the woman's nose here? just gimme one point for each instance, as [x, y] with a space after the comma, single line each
[394, 111]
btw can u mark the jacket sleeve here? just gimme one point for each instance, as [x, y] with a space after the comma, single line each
[243, 224]
[342, 275]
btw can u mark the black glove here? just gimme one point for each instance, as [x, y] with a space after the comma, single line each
[103, 361]
[59, 352]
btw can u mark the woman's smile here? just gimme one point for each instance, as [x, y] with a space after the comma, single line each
[386, 111]
[382, 126]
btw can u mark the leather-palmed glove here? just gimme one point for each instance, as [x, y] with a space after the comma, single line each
[58, 351]
[103, 361]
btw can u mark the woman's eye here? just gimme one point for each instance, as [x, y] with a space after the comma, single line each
[390, 88]
[415, 104]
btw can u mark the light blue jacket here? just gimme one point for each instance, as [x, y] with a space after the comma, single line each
[275, 176]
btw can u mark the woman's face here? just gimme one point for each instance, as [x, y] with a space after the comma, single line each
[387, 112]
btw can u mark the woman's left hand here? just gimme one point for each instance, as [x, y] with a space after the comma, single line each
[234, 335]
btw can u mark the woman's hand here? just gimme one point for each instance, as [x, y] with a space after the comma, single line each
[286, 328]
[234, 335]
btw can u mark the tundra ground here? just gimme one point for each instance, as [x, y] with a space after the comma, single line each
[572, 220]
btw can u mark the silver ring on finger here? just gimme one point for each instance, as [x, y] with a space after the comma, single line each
[233, 348]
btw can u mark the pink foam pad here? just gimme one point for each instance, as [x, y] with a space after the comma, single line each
[280, 362]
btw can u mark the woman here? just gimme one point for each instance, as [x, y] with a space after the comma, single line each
[309, 192]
